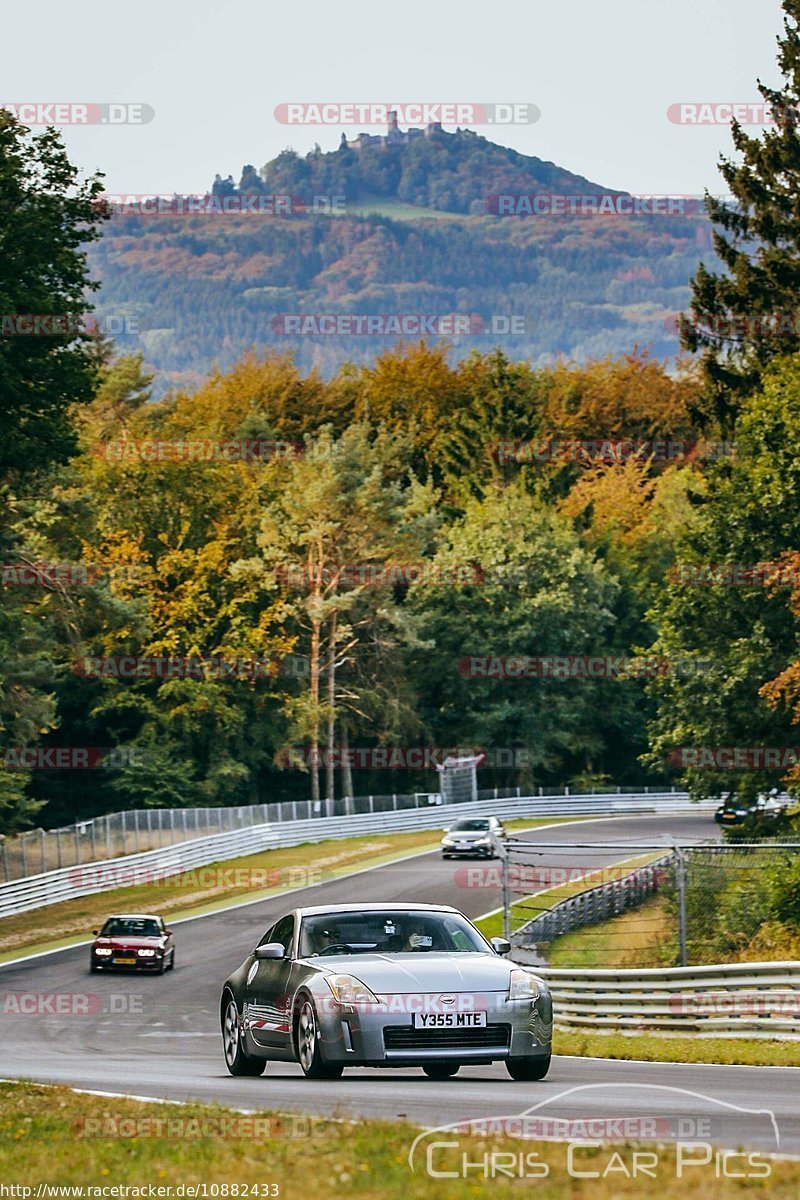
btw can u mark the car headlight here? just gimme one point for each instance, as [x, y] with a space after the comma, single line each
[102, 952]
[522, 986]
[448, 840]
[349, 990]
[146, 953]
[482, 841]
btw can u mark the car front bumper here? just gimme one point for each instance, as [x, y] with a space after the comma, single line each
[468, 851]
[386, 1037]
[141, 964]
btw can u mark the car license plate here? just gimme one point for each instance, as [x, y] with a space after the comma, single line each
[449, 1020]
[126, 962]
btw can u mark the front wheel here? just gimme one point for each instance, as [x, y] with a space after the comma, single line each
[308, 1050]
[528, 1068]
[443, 1070]
[237, 1060]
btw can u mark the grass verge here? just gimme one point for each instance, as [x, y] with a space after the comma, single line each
[524, 909]
[205, 889]
[43, 1141]
[653, 1047]
[642, 937]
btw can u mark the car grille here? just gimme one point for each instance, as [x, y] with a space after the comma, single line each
[405, 1037]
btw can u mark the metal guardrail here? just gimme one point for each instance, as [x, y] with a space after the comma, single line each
[732, 999]
[52, 887]
[132, 831]
[595, 904]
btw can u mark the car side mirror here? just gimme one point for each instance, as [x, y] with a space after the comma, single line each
[501, 945]
[96, 932]
[270, 950]
[168, 932]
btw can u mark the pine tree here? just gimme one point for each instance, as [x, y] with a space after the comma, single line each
[749, 315]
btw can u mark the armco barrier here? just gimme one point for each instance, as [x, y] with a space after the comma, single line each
[595, 904]
[52, 887]
[744, 999]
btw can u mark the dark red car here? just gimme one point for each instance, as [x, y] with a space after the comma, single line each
[133, 942]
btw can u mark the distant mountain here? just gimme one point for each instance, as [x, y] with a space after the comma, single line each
[451, 172]
[414, 238]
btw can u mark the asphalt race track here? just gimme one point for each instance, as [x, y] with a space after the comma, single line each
[159, 1036]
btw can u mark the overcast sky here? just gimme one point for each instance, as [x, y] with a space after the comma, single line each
[602, 74]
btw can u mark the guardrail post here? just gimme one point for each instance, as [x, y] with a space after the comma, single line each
[77, 845]
[680, 870]
[41, 847]
[108, 837]
[58, 848]
[5, 858]
[394, 801]
[94, 842]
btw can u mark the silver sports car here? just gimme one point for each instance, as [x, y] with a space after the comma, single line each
[383, 985]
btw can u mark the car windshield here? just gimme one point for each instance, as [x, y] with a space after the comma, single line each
[388, 932]
[143, 927]
[470, 826]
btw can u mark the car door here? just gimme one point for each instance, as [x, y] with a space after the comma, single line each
[268, 993]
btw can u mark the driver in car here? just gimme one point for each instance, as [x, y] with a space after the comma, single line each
[418, 940]
[325, 938]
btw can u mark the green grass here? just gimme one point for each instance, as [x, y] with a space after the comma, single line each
[524, 910]
[397, 211]
[647, 1047]
[643, 937]
[43, 1140]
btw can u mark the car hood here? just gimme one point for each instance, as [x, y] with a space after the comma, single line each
[129, 943]
[387, 974]
[468, 835]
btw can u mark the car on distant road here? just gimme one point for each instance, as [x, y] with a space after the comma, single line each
[133, 942]
[473, 837]
[384, 985]
[764, 810]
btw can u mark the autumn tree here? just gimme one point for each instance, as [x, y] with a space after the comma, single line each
[743, 318]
